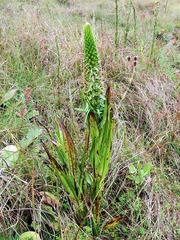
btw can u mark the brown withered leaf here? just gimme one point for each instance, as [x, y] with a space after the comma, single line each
[70, 147]
[113, 222]
[52, 160]
[108, 95]
[49, 199]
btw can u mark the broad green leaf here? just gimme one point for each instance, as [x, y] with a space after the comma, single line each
[88, 178]
[107, 147]
[146, 169]
[131, 177]
[31, 136]
[94, 132]
[69, 186]
[139, 167]
[8, 96]
[67, 180]
[31, 114]
[30, 235]
[132, 169]
[82, 166]
[104, 118]
[138, 179]
[9, 155]
[61, 158]
[69, 149]
[105, 142]
[94, 152]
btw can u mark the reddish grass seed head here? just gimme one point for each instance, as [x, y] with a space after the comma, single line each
[135, 63]
[135, 58]
[128, 58]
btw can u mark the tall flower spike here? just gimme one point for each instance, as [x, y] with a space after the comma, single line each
[91, 58]
[93, 87]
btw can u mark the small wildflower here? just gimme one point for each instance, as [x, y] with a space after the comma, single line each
[128, 58]
[135, 58]
[135, 63]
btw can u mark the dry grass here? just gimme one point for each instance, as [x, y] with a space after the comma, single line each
[41, 49]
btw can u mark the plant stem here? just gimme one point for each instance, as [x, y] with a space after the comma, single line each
[19, 72]
[127, 27]
[58, 58]
[135, 19]
[154, 34]
[117, 23]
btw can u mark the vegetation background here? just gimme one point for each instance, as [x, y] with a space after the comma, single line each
[41, 79]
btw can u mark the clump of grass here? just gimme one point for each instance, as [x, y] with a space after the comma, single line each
[146, 121]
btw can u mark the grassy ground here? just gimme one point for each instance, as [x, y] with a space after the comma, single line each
[41, 79]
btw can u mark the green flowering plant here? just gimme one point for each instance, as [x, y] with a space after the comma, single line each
[82, 172]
